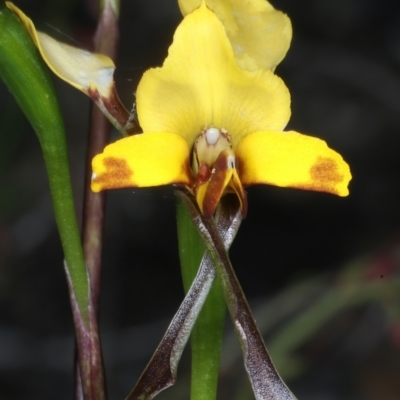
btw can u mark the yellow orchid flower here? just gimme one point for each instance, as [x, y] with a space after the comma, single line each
[259, 34]
[209, 125]
[231, 120]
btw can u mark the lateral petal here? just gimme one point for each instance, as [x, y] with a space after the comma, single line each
[149, 159]
[290, 159]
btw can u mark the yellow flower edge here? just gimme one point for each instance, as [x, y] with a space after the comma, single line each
[82, 69]
[259, 34]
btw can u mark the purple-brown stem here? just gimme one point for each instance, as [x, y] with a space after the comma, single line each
[106, 40]
[89, 371]
[94, 205]
[90, 381]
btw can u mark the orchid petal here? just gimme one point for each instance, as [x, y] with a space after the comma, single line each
[77, 67]
[290, 159]
[259, 34]
[150, 159]
[200, 84]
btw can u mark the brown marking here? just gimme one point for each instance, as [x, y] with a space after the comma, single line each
[325, 177]
[215, 177]
[203, 175]
[117, 175]
[216, 187]
[115, 107]
[112, 104]
[213, 194]
[93, 93]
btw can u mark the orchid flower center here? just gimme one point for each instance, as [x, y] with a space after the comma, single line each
[208, 146]
[214, 168]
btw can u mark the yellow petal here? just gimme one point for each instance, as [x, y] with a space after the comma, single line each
[259, 34]
[78, 67]
[290, 159]
[200, 84]
[150, 159]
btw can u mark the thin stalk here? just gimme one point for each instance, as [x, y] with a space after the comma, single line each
[206, 336]
[106, 41]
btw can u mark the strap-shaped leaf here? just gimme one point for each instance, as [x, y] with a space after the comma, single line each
[27, 77]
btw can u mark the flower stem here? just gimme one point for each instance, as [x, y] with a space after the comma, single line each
[265, 380]
[160, 373]
[206, 345]
[207, 333]
[106, 41]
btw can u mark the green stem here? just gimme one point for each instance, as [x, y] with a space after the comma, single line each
[265, 380]
[160, 373]
[206, 337]
[28, 79]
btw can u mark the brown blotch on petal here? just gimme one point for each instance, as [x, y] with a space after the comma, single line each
[117, 175]
[325, 177]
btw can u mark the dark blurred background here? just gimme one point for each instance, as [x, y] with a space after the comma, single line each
[297, 255]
